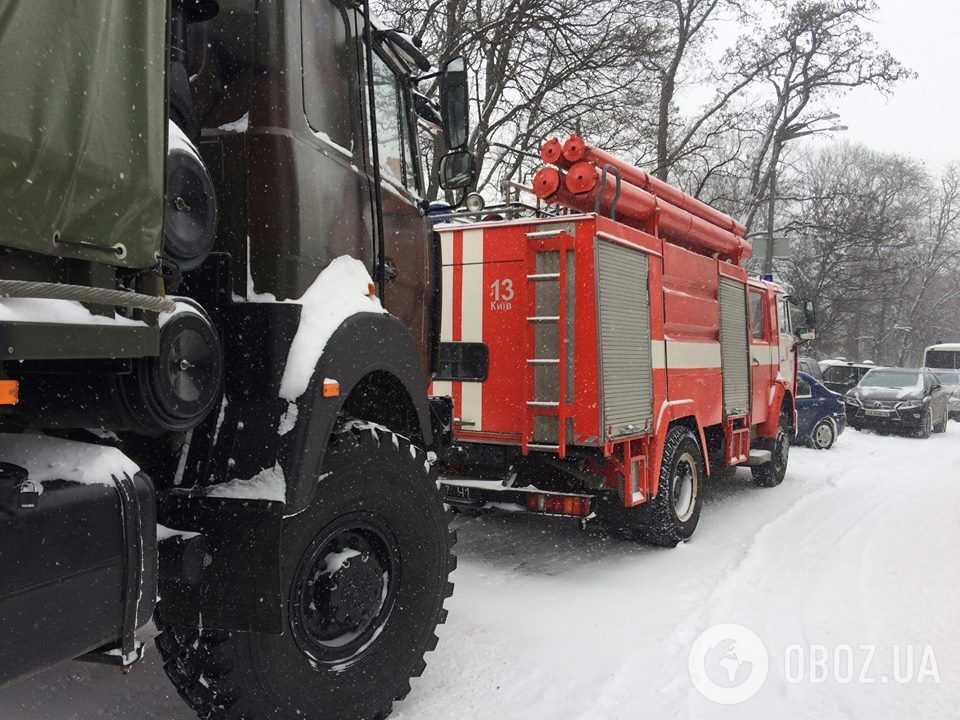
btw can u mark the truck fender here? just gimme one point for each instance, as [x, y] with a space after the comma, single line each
[367, 347]
[670, 411]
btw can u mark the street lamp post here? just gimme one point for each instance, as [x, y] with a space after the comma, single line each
[790, 132]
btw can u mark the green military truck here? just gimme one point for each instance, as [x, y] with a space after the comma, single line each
[218, 318]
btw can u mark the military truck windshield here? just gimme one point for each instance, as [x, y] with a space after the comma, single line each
[394, 142]
[895, 379]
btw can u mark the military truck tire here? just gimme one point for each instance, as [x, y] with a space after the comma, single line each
[374, 542]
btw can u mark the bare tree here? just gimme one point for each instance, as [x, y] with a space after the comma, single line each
[539, 66]
[683, 32]
[816, 51]
[876, 244]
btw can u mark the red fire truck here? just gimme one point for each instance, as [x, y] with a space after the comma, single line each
[607, 359]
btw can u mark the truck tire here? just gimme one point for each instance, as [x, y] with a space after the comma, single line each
[375, 543]
[671, 516]
[771, 474]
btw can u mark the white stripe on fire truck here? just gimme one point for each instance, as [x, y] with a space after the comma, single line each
[445, 387]
[765, 354]
[697, 355]
[446, 313]
[658, 354]
[689, 355]
[471, 322]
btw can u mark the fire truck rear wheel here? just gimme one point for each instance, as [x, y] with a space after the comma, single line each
[365, 571]
[771, 474]
[672, 516]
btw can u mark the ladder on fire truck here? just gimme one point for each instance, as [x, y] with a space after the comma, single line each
[546, 341]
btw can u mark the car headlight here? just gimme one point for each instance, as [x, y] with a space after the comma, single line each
[852, 400]
[908, 405]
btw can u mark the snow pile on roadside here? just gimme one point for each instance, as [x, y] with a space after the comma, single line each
[268, 484]
[49, 458]
[338, 292]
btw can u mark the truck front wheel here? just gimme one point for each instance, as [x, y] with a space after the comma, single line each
[365, 572]
[771, 474]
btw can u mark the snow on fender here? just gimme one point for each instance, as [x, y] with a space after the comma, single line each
[338, 293]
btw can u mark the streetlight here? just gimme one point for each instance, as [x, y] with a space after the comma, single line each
[785, 135]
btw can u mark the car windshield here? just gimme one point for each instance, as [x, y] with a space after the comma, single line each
[948, 377]
[894, 379]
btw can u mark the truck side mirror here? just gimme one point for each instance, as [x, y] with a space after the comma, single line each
[454, 103]
[808, 330]
[457, 170]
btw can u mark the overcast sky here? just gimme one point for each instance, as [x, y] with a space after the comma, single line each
[922, 117]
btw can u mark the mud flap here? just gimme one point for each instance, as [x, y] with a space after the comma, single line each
[233, 582]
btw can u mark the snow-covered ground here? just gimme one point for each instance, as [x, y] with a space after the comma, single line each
[849, 571]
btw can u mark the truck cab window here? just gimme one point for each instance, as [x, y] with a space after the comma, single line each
[393, 127]
[330, 71]
[756, 314]
[783, 317]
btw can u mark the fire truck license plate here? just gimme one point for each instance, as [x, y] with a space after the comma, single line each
[878, 413]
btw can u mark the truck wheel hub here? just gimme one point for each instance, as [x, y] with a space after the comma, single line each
[685, 481]
[344, 589]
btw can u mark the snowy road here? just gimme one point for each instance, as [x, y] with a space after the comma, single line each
[848, 573]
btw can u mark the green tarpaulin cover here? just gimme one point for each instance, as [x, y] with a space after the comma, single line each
[83, 128]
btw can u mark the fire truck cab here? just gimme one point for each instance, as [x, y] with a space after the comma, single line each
[606, 369]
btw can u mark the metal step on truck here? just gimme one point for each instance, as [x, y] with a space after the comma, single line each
[214, 260]
[607, 356]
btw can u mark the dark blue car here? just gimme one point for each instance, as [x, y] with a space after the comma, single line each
[821, 416]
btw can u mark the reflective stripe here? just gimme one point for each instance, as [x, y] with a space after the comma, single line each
[689, 355]
[764, 354]
[471, 329]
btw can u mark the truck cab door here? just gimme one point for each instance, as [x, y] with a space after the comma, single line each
[763, 354]
[809, 406]
[787, 343]
[408, 276]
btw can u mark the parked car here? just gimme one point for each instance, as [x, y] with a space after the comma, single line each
[821, 415]
[899, 400]
[950, 379]
[811, 367]
[841, 375]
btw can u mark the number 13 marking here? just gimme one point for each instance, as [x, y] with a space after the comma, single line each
[502, 290]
